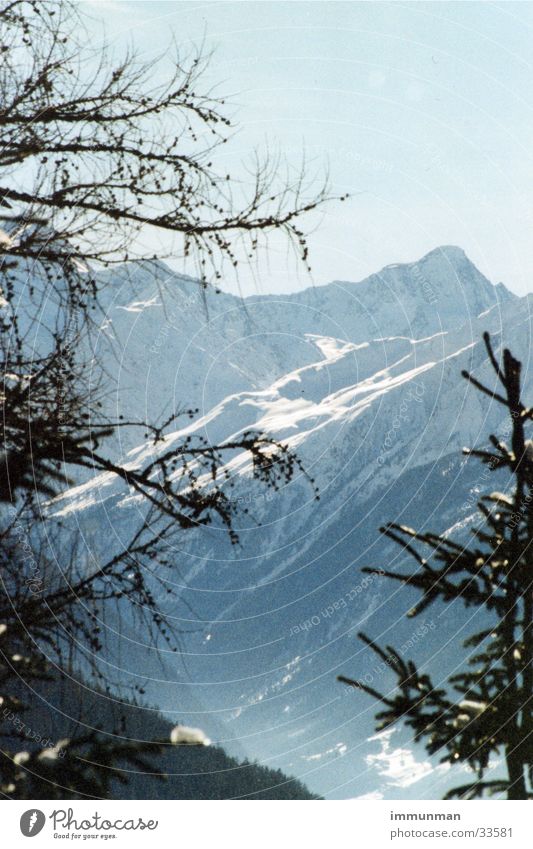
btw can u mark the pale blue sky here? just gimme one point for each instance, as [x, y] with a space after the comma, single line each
[423, 110]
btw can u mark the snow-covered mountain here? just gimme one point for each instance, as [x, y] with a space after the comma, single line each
[178, 344]
[363, 379]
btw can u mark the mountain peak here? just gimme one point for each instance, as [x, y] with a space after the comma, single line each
[452, 252]
[446, 274]
[449, 253]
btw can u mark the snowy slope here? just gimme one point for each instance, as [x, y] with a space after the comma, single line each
[363, 380]
[172, 344]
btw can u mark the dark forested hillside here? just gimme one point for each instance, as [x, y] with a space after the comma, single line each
[180, 772]
[210, 773]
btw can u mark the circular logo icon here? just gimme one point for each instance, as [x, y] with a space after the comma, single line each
[32, 822]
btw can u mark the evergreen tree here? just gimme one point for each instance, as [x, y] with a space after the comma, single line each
[486, 709]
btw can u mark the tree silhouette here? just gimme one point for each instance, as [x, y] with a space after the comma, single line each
[96, 151]
[487, 708]
[92, 156]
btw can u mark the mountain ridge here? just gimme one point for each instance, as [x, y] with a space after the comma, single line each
[370, 395]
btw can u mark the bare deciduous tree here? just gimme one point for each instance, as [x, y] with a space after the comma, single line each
[93, 155]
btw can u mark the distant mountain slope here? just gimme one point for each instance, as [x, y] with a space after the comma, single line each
[183, 772]
[363, 379]
[172, 344]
